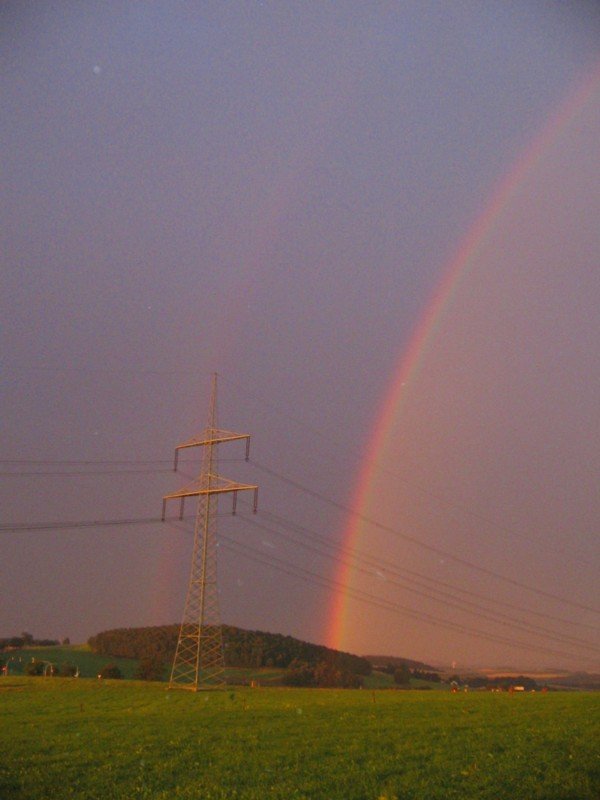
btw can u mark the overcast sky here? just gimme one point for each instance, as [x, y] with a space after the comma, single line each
[274, 191]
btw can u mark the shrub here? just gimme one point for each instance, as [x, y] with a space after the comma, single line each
[330, 675]
[299, 674]
[110, 671]
[325, 674]
[150, 668]
[402, 675]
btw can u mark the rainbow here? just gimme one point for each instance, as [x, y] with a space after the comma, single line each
[428, 325]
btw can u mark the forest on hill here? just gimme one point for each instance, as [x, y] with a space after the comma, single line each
[26, 640]
[242, 648]
[382, 662]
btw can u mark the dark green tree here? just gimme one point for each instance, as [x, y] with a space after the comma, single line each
[402, 675]
[150, 668]
[300, 674]
[34, 668]
[328, 674]
[110, 671]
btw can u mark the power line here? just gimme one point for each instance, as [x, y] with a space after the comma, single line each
[388, 566]
[340, 506]
[321, 434]
[431, 548]
[296, 571]
[376, 467]
[295, 484]
[26, 527]
[366, 597]
[15, 527]
[100, 370]
[447, 598]
[86, 474]
[84, 462]
[66, 473]
[261, 400]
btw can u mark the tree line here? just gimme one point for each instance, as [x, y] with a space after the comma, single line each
[242, 648]
[504, 682]
[27, 640]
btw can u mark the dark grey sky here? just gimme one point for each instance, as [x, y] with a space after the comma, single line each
[273, 191]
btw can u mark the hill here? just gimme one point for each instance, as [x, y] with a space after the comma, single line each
[243, 648]
[380, 662]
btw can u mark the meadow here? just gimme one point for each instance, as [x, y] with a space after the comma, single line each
[77, 738]
[80, 655]
[90, 664]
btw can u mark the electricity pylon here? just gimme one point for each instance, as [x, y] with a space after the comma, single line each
[199, 661]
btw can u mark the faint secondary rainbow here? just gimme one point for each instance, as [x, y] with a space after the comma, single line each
[428, 325]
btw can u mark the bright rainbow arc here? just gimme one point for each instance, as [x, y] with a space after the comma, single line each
[428, 325]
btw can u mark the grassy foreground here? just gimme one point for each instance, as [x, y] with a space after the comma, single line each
[62, 738]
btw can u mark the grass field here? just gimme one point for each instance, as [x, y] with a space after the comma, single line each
[80, 655]
[105, 740]
[90, 665]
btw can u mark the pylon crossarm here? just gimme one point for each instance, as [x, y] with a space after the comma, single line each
[212, 436]
[195, 490]
[208, 485]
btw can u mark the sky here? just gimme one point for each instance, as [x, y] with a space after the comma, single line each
[278, 192]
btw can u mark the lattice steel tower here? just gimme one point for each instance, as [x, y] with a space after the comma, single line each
[199, 661]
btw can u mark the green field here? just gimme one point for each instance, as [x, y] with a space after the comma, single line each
[80, 655]
[90, 664]
[74, 738]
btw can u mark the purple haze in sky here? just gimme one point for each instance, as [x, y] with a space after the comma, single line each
[272, 191]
